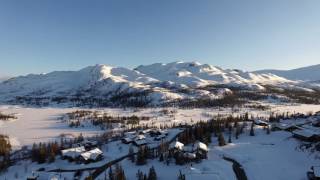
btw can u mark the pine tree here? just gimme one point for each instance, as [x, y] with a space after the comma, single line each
[34, 153]
[111, 175]
[221, 140]
[119, 173]
[139, 175]
[268, 130]
[252, 129]
[141, 156]
[246, 116]
[131, 154]
[161, 157]
[42, 153]
[181, 176]
[229, 140]
[152, 174]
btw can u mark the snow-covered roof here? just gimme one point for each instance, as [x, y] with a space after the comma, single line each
[188, 148]
[316, 171]
[304, 132]
[200, 145]
[284, 126]
[258, 121]
[190, 155]
[73, 152]
[140, 137]
[92, 154]
[177, 145]
[54, 177]
[161, 136]
[90, 142]
[140, 142]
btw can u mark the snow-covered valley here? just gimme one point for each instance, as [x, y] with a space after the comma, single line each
[274, 155]
[169, 118]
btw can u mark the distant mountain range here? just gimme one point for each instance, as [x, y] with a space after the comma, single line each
[310, 73]
[152, 84]
[4, 78]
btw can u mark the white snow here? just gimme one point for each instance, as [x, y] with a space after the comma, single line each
[160, 79]
[73, 152]
[275, 156]
[177, 145]
[36, 125]
[92, 154]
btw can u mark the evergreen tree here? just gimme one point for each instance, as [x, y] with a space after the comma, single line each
[237, 131]
[34, 153]
[139, 175]
[119, 173]
[229, 140]
[221, 140]
[181, 176]
[268, 130]
[141, 156]
[161, 157]
[111, 175]
[131, 153]
[152, 174]
[42, 153]
[246, 116]
[252, 129]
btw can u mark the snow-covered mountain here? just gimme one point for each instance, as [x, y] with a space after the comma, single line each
[196, 74]
[3, 78]
[155, 83]
[310, 73]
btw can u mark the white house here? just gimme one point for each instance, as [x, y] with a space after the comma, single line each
[73, 153]
[176, 145]
[93, 154]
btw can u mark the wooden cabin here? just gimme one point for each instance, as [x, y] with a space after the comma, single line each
[176, 146]
[72, 153]
[93, 155]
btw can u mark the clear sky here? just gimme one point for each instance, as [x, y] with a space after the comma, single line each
[45, 35]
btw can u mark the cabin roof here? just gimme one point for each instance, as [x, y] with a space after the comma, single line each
[140, 142]
[200, 145]
[73, 152]
[304, 133]
[177, 145]
[92, 154]
[127, 139]
[190, 155]
[258, 121]
[140, 136]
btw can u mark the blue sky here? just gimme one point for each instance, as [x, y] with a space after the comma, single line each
[44, 35]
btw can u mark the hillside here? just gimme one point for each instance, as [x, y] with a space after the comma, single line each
[154, 84]
[309, 73]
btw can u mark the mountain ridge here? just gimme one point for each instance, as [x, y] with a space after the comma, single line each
[308, 73]
[155, 83]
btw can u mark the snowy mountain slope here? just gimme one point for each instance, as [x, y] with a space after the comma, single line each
[4, 78]
[196, 74]
[310, 73]
[155, 83]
